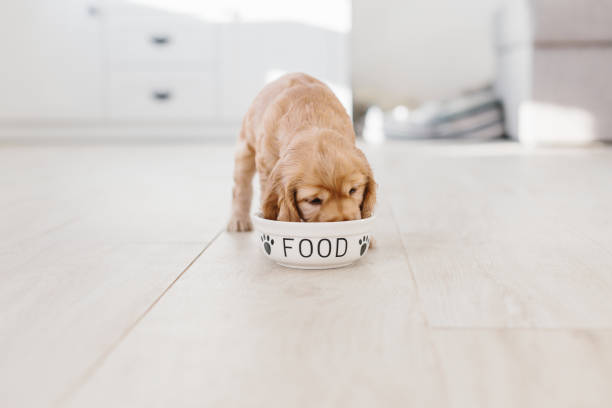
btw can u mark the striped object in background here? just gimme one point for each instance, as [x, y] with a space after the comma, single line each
[477, 115]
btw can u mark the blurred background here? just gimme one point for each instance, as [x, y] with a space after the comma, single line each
[534, 71]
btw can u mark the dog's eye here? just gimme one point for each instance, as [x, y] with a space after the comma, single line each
[316, 201]
[352, 191]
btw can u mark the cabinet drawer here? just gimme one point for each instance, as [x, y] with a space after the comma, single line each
[160, 43]
[162, 96]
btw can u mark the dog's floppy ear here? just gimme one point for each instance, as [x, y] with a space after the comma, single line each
[279, 195]
[369, 194]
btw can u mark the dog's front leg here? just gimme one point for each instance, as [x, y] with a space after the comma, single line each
[244, 169]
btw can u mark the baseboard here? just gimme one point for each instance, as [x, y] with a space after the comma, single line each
[83, 132]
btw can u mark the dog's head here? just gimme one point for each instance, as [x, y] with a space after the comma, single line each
[325, 179]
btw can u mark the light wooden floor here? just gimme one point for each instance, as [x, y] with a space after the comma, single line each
[491, 285]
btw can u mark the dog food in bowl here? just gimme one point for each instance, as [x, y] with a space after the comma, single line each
[313, 245]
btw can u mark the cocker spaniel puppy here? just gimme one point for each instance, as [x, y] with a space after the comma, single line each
[299, 138]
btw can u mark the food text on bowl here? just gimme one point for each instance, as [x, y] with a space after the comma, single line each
[323, 247]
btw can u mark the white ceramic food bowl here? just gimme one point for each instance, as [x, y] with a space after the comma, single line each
[313, 245]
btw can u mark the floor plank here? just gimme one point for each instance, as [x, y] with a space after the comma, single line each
[489, 286]
[89, 238]
[69, 305]
[526, 368]
[237, 330]
[505, 238]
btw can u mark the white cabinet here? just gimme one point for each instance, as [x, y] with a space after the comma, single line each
[161, 67]
[51, 65]
[169, 43]
[162, 96]
[143, 68]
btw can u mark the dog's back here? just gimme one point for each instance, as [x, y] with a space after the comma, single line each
[292, 103]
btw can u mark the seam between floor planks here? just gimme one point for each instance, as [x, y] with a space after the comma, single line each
[97, 363]
[437, 358]
[421, 307]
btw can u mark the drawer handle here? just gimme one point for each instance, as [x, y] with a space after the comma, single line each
[160, 39]
[162, 95]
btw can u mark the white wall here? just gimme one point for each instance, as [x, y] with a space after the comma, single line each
[409, 51]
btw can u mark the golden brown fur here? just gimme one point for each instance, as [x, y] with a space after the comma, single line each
[299, 138]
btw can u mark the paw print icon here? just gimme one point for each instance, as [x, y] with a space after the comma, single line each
[364, 242]
[267, 243]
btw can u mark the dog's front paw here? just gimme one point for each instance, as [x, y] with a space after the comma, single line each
[239, 223]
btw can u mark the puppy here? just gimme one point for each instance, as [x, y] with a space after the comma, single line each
[299, 138]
